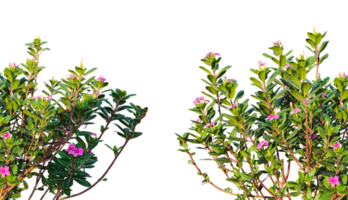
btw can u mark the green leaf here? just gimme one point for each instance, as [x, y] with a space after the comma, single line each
[279, 94]
[323, 46]
[8, 74]
[252, 71]
[274, 75]
[273, 138]
[55, 180]
[311, 36]
[257, 98]
[324, 57]
[317, 196]
[108, 146]
[318, 39]
[305, 88]
[327, 195]
[310, 42]
[262, 76]
[62, 154]
[205, 159]
[257, 82]
[82, 182]
[309, 193]
[302, 72]
[311, 172]
[297, 95]
[68, 182]
[104, 180]
[322, 134]
[268, 169]
[344, 94]
[314, 89]
[338, 84]
[211, 90]
[27, 112]
[223, 160]
[137, 134]
[14, 169]
[17, 150]
[81, 142]
[15, 84]
[246, 177]
[17, 142]
[223, 71]
[232, 91]
[294, 79]
[64, 163]
[84, 157]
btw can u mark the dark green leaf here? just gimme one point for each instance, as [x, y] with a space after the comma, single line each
[68, 182]
[82, 182]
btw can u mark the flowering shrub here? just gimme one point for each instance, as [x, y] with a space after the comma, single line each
[295, 124]
[36, 127]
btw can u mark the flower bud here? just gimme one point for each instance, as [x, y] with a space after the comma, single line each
[37, 35]
[261, 63]
[341, 73]
[81, 61]
[302, 54]
[278, 43]
[315, 30]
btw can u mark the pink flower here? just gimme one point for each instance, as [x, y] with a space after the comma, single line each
[261, 63]
[228, 78]
[198, 120]
[75, 151]
[270, 117]
[15, 158]
[336, 145]
[4, 171]
[277, 42]
[334, 180]
[90, 153]
[198, 99]
[42, 97]
[323, 95]
[101, 79]
[212, 52]
[296, 110]
[262, 142]
[210, 124]
[95, 93]
[12, 63]
[78, 152]
[70, 148]
[72, 76]
[94, 135]
[64, 129]
[286, 66]
[7, 135]
[314, 136]
[231, 106]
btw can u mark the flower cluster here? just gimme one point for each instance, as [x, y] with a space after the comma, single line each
[42, 97]
[101, 79]
[278, 43]
[13, 65]
[198, 99]
[271, 117]
[262, 143]
[211, 54]
[75, 151]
